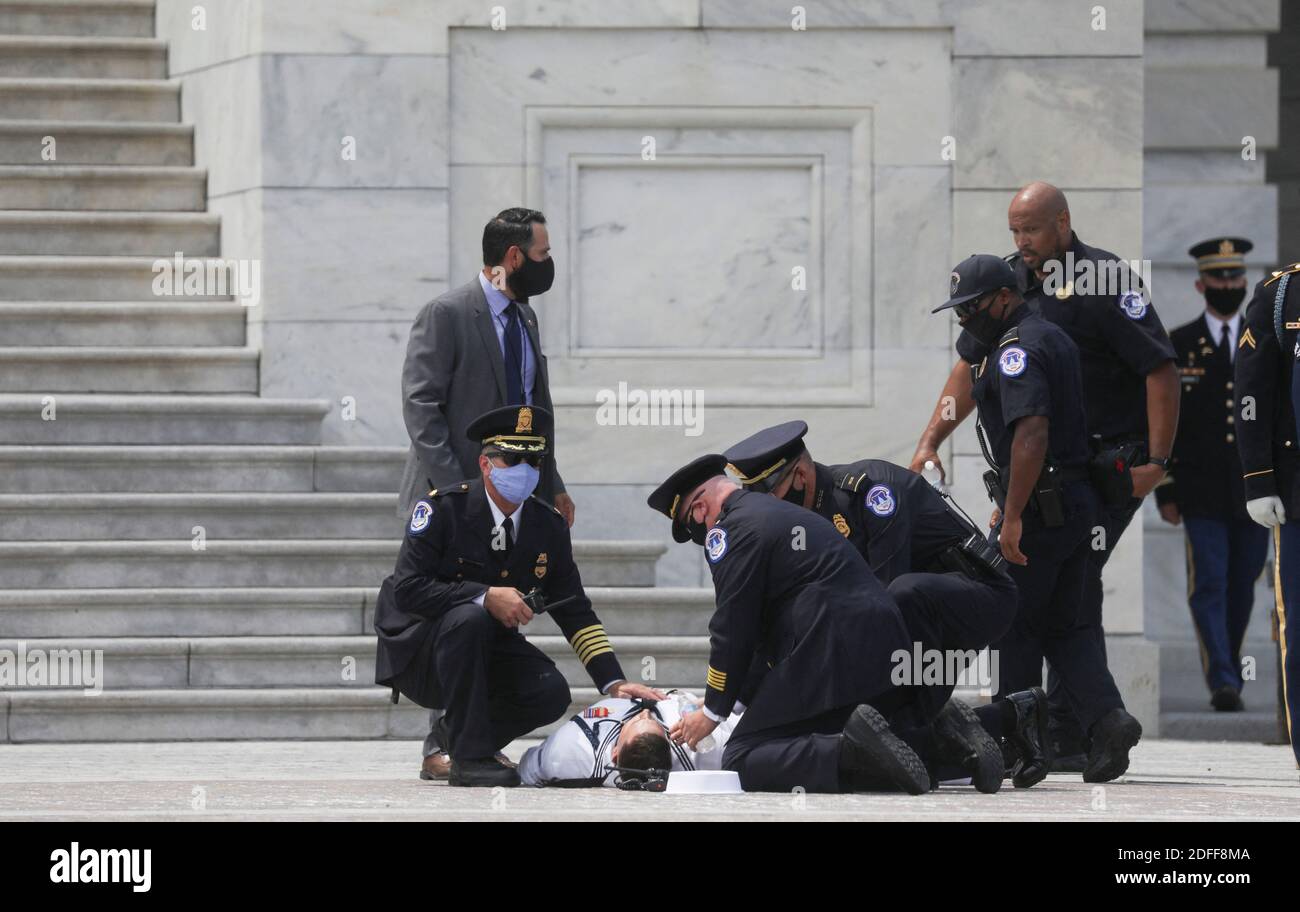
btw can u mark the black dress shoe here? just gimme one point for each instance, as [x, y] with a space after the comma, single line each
[1030, 739]
[1226, 699]
[962, 740]
[1113, 736]
[487, 772]
[870, 751]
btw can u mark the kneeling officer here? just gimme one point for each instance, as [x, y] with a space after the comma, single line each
[448, 616]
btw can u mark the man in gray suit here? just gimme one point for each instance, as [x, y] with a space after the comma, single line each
[474, 349]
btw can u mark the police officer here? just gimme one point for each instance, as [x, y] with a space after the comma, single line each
[916, 542]
[792, 592]
[448, 617]
[1226, 550]
[1266, 440]
[1130, 387]
[1027, 387]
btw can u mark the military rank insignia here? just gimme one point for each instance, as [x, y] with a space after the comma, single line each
[595, 712]
[841, 524]
[540, 570]
[1246, 339]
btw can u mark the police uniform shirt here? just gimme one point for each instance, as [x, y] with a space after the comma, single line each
[452, 554]
[1119, 337]
[1034, 370]
[1205, 475]
[1266, 429]
[895, 519]
[791, 592]
[583, 746]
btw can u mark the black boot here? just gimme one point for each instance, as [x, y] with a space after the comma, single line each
[962, 741]
[870, 751]
[1226, 699]
[1029, 740]
[1113, 736]
[487, 771]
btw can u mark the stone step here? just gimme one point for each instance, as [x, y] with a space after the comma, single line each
[1182, 683]
[1258, 727]
[126, 234]
[62, 57]
[68, 278]
[109, 469]
[118, 18]
[148, 419]
[129, 370]
[23, 142]
[263, 563]
[127, 517]
[226, 714]
[119, 100]
[126, 188]
[126, 323]
[288, 611]
[311, 661]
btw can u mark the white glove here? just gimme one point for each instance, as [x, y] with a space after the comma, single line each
[1267, 511]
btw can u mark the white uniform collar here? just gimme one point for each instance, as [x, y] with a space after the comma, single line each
[498, 517]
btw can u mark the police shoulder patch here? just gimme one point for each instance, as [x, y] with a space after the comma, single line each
[1012, 361]
[1133, 305]
[420, 517]
[880, 500]
[715, 544]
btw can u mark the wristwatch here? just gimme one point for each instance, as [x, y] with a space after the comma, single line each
[1162, 461]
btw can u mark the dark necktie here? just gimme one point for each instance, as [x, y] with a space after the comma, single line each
[508, 526]
[514, 357]
[1224, 348]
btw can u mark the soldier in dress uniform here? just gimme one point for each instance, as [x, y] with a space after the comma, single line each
[448, 617]
[1204, 492]
[1270, 460]
[917, 542]
[792, 593]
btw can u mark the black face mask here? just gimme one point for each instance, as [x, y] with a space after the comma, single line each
[696, 531]
[794, 497]
[1225, 300]
[532, 278]
[985, 328]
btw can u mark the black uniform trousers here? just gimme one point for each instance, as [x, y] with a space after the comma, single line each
[1064, 728]
[494, 685]
[1055, 621]
[942, 611]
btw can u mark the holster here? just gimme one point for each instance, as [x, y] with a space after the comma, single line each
[1046, 499]
[1111, 470]
[975, 557]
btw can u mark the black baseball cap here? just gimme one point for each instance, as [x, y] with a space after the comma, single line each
[977, 275]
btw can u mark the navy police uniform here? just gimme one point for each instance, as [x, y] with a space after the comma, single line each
[810, 610]
[1226, 549]
[1270, 460]
[1033, 370]
[441, 648]
[1120, 340]
[914, 542]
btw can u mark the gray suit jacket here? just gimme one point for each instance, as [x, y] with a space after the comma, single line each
[453, 373]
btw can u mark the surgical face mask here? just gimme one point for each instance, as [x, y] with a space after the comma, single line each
[533, 277]
[515, 483]
[1225, 300]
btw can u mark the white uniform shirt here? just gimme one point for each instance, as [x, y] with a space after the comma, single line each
[582, 749]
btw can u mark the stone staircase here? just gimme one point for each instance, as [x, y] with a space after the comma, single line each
[200, 535]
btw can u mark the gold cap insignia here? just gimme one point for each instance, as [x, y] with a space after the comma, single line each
[841, 524]
[1226, 248]
[525, 424]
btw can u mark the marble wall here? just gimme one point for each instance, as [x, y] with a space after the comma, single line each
[746, 201]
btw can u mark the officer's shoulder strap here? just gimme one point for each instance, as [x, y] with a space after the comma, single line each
[459, 488]
[1011, 335]
[852, 477]
[1294, 267]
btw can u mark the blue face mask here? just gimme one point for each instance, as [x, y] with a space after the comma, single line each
[516, 482]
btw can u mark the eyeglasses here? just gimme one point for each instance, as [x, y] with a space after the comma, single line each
[639, 780]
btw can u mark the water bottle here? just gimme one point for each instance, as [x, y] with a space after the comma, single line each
[930, 472]
[685, 705]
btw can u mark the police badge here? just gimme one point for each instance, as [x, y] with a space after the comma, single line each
[841, 524]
